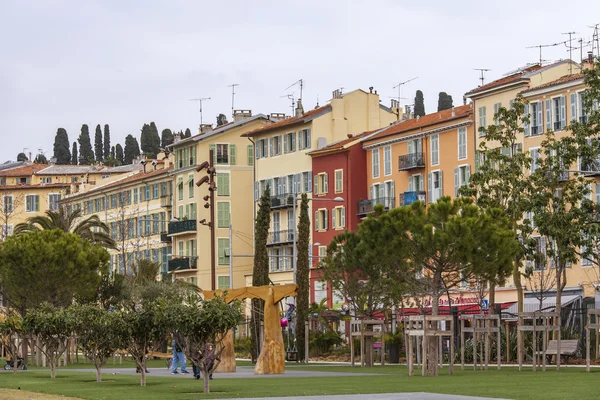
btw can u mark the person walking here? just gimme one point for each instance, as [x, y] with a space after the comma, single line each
[178, 354]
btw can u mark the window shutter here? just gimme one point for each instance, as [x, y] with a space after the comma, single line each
[343, 215]
[307, 144]
[213, 148]
[37, 202]
[411, 184]
[549, 115]
[256, 150]
[429, 187]
[456, 182]
[285, 143]
[477, 160]
[539, 118]
[563, 111]
[526, 125]
[271, 152]
[441, 188]
[309, 178]
[298, 183]
[371, 192]
[250, 155]
[326, 219]
[333, 218]
[300, 147]
[232, 154]
[381, 193]
[411, 147]
[317, 226]
[467, 175]
[392, 195]
[326, 183]
[421, 183]
[316, 180]
[598, 193]
[279, 145]
[573, 106]
[293, 138]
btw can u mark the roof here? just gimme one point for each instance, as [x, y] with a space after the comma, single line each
[306, 117]
[505, 80]
[562, 79]
[11, 164]
[424, 121]
[122, 168]
[221, 129]
[342, 144]
[68, 170]
[29, 169]
[38, 186]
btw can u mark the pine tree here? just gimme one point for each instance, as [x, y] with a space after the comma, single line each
[302, 276]
[62, 154]
[166, 138]
[187, 133]
[444, 101]
[221, 119]
[132, 150]
[260, 273]
[119, 154]
[22, 157]
[419, 104]
[86, 154]
[74, 156]
[98, 145]
[107, 141]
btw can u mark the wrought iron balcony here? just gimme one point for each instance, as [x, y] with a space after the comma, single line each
[182, 263]
[411, 161]
[365, 207]
[282, 201]
[188, 225]
[165, 238]
[410, 197]
[280, 237]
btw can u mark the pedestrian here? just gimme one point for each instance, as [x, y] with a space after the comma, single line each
[209, 359]
[178, 356]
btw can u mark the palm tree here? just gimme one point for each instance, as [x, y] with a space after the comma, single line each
[90, 229]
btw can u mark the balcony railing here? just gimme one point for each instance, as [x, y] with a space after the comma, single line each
[188, 225]
[165, 238]
[166, 201]
[368, 206]
[410, 197]
[410, 161]
[182, 263]
[282, 201]
[591, 167]
[280, 237]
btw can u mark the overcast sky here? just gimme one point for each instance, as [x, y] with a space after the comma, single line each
[125, 63]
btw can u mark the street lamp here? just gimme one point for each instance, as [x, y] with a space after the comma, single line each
[337, 199]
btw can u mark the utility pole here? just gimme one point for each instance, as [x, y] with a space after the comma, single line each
[200, 100]
[210, 204]
[232, 86]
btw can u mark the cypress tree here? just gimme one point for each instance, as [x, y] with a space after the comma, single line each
[419, 104]
[61, 147]
[22, 157]
[112, 152]
[187, 133]
[221, 119]
[74, 156]
[98, 145]
[86, 154]
[119, 154]
[41, 159]
[166, 138]
[107, 142]
[302, 278]
[444, 101]
[154, 140]
[132, 149]
[260, 272]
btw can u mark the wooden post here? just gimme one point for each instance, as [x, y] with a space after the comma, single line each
[475, 344]
[507, 342]
[597, 340]
[462, 344]
[425, 343]
[544, 344]
[451, 368]
[587, 346]
[362, 345]
[534, 343]
[306, 341]
[519, 344]
[409, 355]
[351, 346]
[440, 351]
[499, 341]
[487, 343]
[557, 342]
[382, 347]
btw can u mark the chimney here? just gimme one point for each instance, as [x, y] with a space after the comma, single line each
[349, 135]
[239, 115]
[589, 62]
[205, 128]
[176, 137]
[337, 94]
[371, 89]
[276, 116]
[299, 108]
[453, 112]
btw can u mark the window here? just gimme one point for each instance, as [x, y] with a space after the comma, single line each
[222, 154]
[223, 216]
[223, 282]
[535, 157]
[587, 257]
[289, 142]
[387, 160]
[306, 177]
[135, 196]
[98, 204]
[250, 154]
[535, 118]
[222, 184]
[280, 259]
[262, 148]
[321, 221]
[559, 116]
[496, 110]
[155, 220]
[155, 190]
[322, 252]
[54, 198]
[190, 210]
[147, 195]
[275, 145]
[583, 112]
[180, 245]
[32, 203]
[462, 176]
[223, 246]
[180, 187]
[539, 263]
[321, 184]
[320, 291]
[482, 122]
[435, 149]
[435, 186]
[415, 183]
[46, 179]
[8, 206]
[462, 143]
[147, 225]
[338, 218]
[190, 185]
[290, 220]
[304, 139]
[339, 182]
[375, 162]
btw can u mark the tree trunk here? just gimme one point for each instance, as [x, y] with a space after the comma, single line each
[143, 375]
[52, 369]
[206, 378]
[492, 298]
[98, 376]
[432, 343]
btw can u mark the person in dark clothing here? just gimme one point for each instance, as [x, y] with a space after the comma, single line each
[208, 360]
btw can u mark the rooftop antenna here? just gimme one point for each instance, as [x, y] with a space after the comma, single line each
[200, 101]
[483, 71]
[301, 82]
[541, 46]
[570, 50]
[399, 86]
[291, 97]
[232, 86]
[596, 39]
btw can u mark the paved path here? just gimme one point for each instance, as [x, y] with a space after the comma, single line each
[387, 396]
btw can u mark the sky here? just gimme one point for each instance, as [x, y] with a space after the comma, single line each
[66, 63]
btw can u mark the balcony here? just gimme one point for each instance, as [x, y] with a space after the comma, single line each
[591, 167]
[165, 238]
[179, 227]
[166, 201]
[411, 161]
[410, 197]
[282, 201]
[182, 263]
[368, 206]
[280, 237]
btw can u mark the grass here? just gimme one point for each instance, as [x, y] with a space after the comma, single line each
[507, 383]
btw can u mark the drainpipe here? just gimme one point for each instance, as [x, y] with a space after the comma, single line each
[254, 183]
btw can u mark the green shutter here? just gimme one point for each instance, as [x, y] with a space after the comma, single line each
[250, 154]
[232, 154]
[37, 202]
[213, 148]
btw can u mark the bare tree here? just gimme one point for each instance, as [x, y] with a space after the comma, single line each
[10, 201]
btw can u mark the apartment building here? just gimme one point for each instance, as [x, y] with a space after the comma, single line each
[282, 164]
[233, 158]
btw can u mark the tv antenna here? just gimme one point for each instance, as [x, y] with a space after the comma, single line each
[483, 71]
[399, 86]
[200, 101]
[232, 86]
[596, 39]
[570, 50]
[542, 46]
[301, 83]
[291, 97]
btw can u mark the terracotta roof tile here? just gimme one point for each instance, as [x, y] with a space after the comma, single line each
[38, 186]
[25, 170]
[562, 79]
[505, 80]
[424, 121]
[289, 121]
[340, 144]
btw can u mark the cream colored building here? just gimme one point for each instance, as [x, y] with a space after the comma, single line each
[191, 239]
[282, 163]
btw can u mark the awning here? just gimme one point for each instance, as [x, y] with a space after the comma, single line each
[531, 304]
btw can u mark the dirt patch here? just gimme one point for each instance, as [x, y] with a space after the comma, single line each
[8, 394]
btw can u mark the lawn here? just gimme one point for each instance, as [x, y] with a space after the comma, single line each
[570, 383]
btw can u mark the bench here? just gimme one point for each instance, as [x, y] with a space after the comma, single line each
[568, 348]
[157, 354]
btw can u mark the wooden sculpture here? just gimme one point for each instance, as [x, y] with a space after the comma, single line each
[271, 360]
